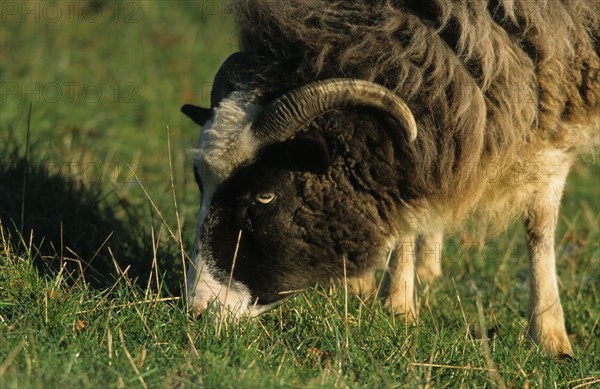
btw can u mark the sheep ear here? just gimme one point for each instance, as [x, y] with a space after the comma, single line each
[198, 115]
[309, 151]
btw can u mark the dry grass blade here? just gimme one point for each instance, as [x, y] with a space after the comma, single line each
[586, 382]
[464, 316]
[452, 366]
[26, 168]
[592, 332]
[155, 207]
[224, 305]
[110, 346]
[131, 361]
[179, 233]
[380, 284]
[11, 357]
[495, 378]
[428, 370]
[346, 306]
[192, 345]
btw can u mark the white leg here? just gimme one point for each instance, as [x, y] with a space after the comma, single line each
[429, 256]
[546, 319]
[401, 297]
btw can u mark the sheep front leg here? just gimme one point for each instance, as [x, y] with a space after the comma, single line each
[401, 273]
[546, 319]
[429, 252]
[364, 285]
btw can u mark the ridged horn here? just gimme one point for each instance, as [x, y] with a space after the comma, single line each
[222, 85]
[285, 116]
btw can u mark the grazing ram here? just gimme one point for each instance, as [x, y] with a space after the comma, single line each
[344, 130]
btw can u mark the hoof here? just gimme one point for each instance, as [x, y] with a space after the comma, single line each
[407, 312]
[554, 343]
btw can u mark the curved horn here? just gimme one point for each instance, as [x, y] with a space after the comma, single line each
[285, 116]
[222, 85]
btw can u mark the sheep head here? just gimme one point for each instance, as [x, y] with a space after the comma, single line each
[281, 207]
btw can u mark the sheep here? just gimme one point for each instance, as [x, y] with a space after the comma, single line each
[344, 132]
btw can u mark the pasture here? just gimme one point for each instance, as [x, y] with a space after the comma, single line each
[97, 210]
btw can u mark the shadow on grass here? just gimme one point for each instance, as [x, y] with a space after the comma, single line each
[68, 224]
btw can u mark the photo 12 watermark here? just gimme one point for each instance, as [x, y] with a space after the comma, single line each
[512, 174]
[452, 251]
[85, 172]
[69, 91]
[224, 11]
[70, 11]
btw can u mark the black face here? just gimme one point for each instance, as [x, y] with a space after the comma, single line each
[303, 217]
[260, 201]
[265, 201]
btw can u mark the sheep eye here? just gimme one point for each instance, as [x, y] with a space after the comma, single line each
[265, 198]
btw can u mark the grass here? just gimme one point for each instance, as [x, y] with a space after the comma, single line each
[90, 275]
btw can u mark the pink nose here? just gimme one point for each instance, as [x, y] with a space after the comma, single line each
[201, 306]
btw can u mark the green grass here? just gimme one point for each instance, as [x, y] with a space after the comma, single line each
[90, 274]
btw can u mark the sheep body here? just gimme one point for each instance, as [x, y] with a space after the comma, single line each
[490, 83]
[505, 95]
